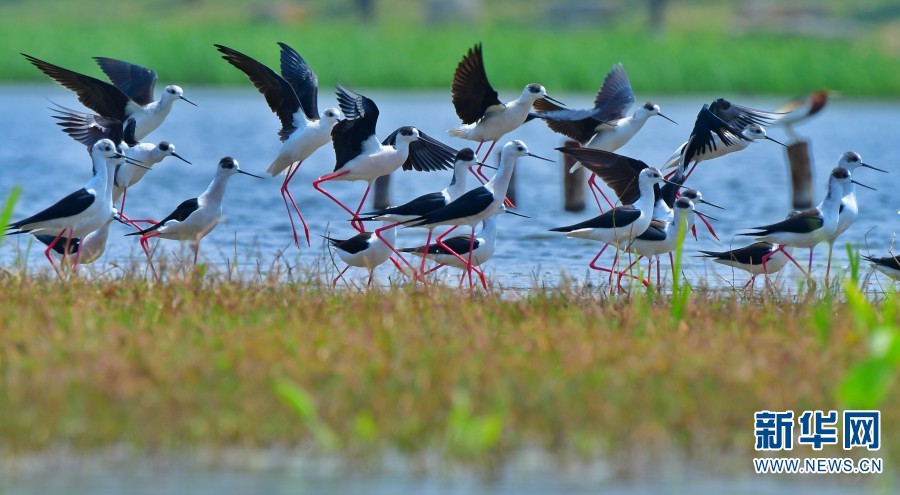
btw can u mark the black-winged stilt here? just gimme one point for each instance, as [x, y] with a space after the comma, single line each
[484, 117]
[364, 250]
[81, 212]
[479, 203]
[849, 207]
[888, 265]
[195, 217]
[359, 156]
[458, 246]
[293, 96]
[801, 109]
[129, 97]
[759, 258]
[807, 228]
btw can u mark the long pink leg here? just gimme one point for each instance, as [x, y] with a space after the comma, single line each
[791, 258]
[392, 248]
[425, 254]
[285, 196]
[340, 276]
[357, 223]
[708, 227]
[592, 183]
[122, 206]
[688, 175]
[749, 282]
[440, 242]
[50, 248]
[317, 185]
[145, 245]
[593, 264]
[469, 262]
[438, 266]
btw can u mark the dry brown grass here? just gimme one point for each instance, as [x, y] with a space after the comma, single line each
[191, 363]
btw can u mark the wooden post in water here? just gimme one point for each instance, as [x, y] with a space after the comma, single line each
[381, 197]
[801, 175]
[574, 183]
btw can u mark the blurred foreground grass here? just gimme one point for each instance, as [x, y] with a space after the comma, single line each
[701, 53]
[198, 363]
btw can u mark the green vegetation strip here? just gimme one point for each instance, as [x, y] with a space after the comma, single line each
[408, 54]
[200, 363]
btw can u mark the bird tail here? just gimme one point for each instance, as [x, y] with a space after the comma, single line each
[562, 229]
[460, 132]
[673, 160]
[279, 166]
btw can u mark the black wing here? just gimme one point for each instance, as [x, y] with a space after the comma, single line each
[888, 261]
[180, 214]
[654, 233]
[619, 216]
[101, 97]
[579, 125]
[353, 245]
[426, 154]
[740, 116]
[471, 203]
[619, 172]
[701, 139]
[71, 205]
[615, 96]
[278, 92]
[669, 191]
[471, 91]
[349, 135]
[135, 81]
[801, 222]
[304, 81]
[87, 128]
[60, 246]
[458, 244]
[748, 255]
[422, 205]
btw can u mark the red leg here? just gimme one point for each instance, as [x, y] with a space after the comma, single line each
[371, 275]
[628, 268]
[480, 144]
[686, 177]
[592, 183]
[440, 242]
[286, 195]
[708, 227]
[480, 180]
[122, 206]
[327, 177]
[749, 283]
[425, 254]
[145, 245]
[434, 269]
[397, 253]
[196, 251]
[471, 248]
[50, 248]
[357, 223]
[340, 276]
[810, 259]
[593, 263]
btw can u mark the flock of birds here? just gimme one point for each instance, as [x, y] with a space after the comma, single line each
[648, 218]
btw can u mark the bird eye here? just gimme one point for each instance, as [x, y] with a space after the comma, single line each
[648, 106]
[521, 148]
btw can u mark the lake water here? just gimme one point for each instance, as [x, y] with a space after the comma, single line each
[753, 185]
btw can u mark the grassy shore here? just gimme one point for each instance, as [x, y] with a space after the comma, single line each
[199, 362]
[402, 52]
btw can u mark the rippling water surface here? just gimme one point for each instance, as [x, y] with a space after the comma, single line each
[752, 185]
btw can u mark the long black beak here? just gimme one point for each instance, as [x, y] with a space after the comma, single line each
[248, 173]
[485, 165]
[863, 185]
[667, 181]
[176, 155]
[710, 204]
[667, 118]
[514, 213]
[776, 141]
[554, 100]
[874, 168]
[187, 100]
[131, 161]
[704, 215]
[540, 157]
